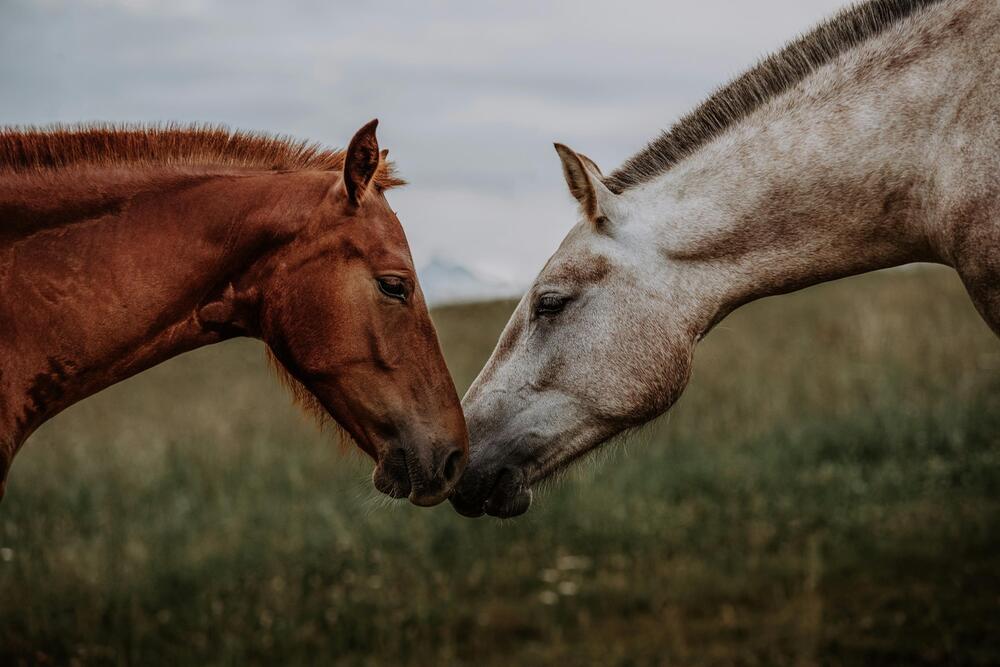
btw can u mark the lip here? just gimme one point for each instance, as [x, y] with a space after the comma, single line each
[471, 510]
[510, 506]
[394, 487]
[508, 496]
[427, 501]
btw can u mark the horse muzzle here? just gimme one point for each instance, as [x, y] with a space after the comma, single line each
[425, 480]
[502, 493]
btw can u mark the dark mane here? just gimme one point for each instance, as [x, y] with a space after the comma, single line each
[770, 77]
[58, 146]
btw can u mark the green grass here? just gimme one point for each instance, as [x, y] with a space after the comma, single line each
[826, 492]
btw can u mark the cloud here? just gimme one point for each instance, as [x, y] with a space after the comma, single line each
[470, 95]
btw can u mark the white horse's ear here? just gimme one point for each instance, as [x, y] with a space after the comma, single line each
[585, 184]
[590, 165]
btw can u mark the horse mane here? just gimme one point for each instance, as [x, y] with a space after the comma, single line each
[59, 146]
[768, 78]
[308, 403]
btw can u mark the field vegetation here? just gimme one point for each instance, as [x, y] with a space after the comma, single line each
[826, 492]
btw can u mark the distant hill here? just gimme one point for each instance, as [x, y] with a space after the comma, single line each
[445, 281]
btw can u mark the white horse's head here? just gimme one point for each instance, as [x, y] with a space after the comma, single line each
[811, 166]
[600, 343]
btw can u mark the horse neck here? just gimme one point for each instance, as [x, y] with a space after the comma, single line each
[115, 286]
[830, 180]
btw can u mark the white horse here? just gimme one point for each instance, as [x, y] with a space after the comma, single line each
[871, 142]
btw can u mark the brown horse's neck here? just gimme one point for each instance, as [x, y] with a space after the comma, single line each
[106, 273]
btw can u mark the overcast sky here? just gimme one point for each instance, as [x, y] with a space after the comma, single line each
[470, 94]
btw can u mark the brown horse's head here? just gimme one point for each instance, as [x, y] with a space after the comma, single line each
[341, 310]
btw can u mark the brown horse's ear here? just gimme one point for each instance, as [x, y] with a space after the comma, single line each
[361, 162]
[585, 184]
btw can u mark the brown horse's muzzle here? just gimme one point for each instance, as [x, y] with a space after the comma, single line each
[424, 475]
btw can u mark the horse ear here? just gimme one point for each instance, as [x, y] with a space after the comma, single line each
[590, 164]
[361, 162]
[585, 184]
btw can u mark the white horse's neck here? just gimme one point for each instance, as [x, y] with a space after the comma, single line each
[888, 153]
[831, 179]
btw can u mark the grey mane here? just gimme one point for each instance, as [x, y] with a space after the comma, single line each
[770, 77]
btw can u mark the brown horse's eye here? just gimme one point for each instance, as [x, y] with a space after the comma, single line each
[392, 287]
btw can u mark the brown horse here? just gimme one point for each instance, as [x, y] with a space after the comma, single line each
[123, 247]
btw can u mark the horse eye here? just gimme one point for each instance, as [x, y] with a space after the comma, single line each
[392, 287]
[550, 304]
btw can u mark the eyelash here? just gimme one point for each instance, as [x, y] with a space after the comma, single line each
[550, 304]
[394, 288]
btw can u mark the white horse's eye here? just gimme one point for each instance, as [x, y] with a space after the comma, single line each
[550, 304]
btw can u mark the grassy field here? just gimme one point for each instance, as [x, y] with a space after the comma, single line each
[826, 492]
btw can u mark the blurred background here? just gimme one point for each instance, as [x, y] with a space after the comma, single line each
[470, 95]
[826, 492]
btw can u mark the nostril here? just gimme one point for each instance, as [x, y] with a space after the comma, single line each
[453, 466]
